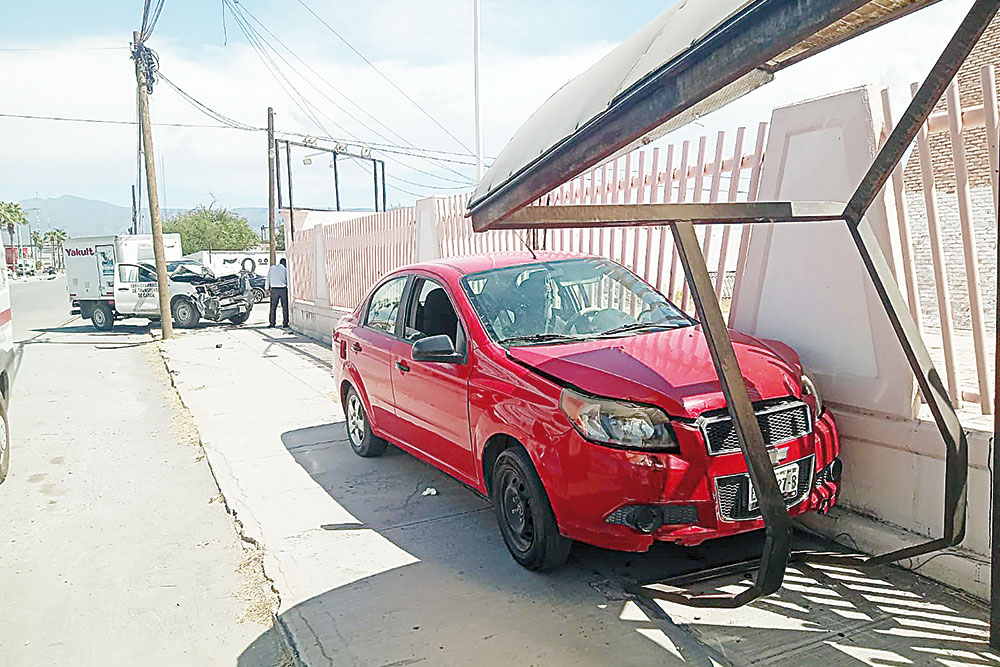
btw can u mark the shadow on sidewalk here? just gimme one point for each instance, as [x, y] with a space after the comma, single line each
[460, 599]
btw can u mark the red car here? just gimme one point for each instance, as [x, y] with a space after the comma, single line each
[578, 398]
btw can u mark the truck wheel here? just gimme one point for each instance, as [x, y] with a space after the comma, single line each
[241, 318]
[4, 441]
[102, 317]
[527, 523]
[185, 314]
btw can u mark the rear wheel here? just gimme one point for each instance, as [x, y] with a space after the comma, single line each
[257, 294]
[359, 432]
[102, 317]
[185, 314]
[527, 522]
[241, 318]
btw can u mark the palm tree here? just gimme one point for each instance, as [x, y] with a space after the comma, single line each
[56, 238]
[12, 214]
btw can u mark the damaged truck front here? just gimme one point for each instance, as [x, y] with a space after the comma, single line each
[195, 293]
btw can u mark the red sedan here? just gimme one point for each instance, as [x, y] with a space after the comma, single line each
[579, 399]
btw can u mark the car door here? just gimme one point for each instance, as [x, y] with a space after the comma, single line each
[135, 290]
[432, 398]
[370, 347]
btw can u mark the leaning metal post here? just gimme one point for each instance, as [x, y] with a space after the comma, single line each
[778, 525]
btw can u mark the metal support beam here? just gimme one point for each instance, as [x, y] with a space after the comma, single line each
[778, 525]
[618, 215]
[933, 87]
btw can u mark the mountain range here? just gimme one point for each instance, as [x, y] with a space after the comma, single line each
[78, 216]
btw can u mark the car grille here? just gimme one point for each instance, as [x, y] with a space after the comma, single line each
[733, 492]
[225, 288]
[780, 421]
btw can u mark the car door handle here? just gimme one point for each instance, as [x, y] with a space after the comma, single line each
[122, 289]
[403, 366]
[356, 347]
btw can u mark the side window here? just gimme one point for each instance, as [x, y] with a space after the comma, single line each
[128, 273]
[384, 306]
[431, 314]
[146, 276]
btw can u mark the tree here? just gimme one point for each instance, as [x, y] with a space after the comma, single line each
[55, 240]
[12, 214]
[208, 228]
[37, 239]
[279, 238]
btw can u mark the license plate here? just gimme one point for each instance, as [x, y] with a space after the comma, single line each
[788, 483]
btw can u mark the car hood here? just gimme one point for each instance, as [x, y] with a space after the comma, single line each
[672, 369]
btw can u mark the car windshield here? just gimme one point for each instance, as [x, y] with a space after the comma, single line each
[567, 300]
[189, 267]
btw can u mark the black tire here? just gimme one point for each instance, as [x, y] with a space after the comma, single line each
[258, 294]
[185, 314]
[522, 508]
[4, 441]
[101, 317]
[241, 318]
[359, 432]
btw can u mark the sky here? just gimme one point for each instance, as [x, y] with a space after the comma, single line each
[70, 59]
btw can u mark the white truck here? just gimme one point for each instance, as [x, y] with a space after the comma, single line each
[113, 277]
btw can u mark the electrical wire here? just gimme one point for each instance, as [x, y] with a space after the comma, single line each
[149, 19]
[384, 76]
[238, 12]
[225, 120]
[65, 48]
[405, 141]
[108, 121]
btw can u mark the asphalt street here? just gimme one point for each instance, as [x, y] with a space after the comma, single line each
[117, 549]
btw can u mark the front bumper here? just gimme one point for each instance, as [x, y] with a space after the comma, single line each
[681, 488]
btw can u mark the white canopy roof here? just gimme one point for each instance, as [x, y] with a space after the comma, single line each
[695, 57]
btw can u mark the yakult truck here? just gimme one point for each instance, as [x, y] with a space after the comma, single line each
[113, 277]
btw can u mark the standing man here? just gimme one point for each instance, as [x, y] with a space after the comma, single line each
[277, 283]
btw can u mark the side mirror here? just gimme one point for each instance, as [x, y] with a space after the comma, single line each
[436, 348]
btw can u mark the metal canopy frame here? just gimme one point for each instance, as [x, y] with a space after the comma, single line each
[682, 217]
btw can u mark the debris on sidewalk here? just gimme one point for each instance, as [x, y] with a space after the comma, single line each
[430, 491]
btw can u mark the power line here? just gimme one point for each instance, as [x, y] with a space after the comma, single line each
[259, 41]
[225, 120]
[65, 48]
[149, 19]
[108, 121]
[384, 76]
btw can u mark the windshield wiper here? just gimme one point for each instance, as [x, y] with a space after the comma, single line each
[541, 338]
[638, 326]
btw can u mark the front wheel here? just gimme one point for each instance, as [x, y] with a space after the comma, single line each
[101, 317]
[241, 318]
[185, 314]
[364, 443]
[257, 294]
[527, 522]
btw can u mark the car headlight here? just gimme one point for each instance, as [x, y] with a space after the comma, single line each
[618, 423]
[809, 388]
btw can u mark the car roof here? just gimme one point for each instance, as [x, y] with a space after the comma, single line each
[475, 263]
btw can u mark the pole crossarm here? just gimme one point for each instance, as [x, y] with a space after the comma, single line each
[628, 215]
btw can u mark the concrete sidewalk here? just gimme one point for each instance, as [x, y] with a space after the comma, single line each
[373, 572]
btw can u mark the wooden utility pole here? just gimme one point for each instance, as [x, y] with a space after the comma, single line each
[166, 324]
[271, 186]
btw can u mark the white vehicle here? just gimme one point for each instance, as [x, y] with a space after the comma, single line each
[7, 365]
[113, 277]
